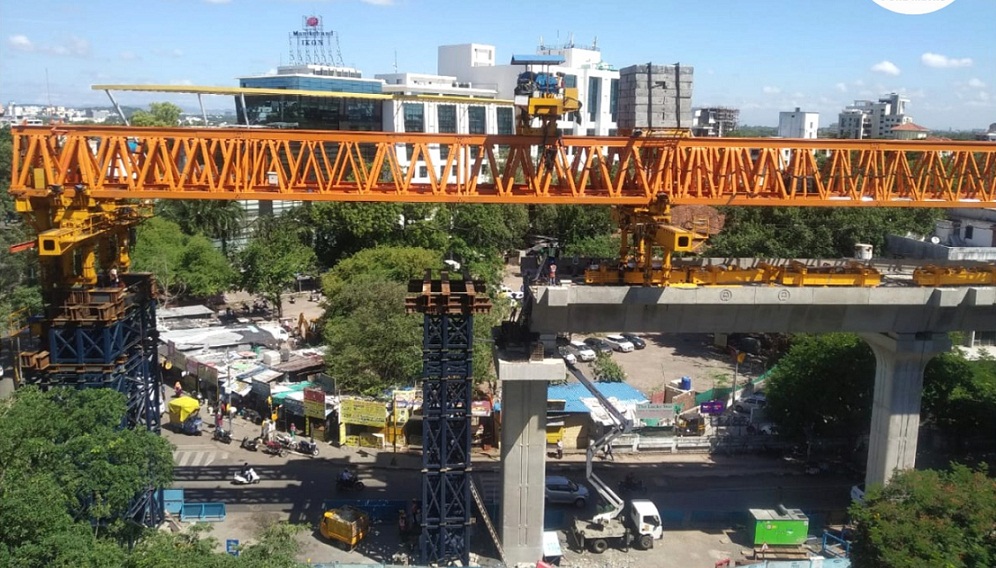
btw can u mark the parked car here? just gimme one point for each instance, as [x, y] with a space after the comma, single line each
[582, 351]
[598, 344]
[559, 489]
[569, 357]
[752, 402]
[636, 340]
[619, 343]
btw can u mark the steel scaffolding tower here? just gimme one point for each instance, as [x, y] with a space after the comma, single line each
[447, 385]
[106, 338]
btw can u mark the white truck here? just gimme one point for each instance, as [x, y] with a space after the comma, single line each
[637, 522]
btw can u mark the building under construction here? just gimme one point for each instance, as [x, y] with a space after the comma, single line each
[715, 121]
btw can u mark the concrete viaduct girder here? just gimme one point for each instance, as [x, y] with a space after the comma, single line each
[905, 327]
[760, 309]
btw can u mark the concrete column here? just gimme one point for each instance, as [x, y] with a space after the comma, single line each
[900, 361]
[523, 455]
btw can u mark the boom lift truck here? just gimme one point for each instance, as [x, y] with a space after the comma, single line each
[636, 521]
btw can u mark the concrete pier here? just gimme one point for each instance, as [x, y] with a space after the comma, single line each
[523, 453]
[900, 361]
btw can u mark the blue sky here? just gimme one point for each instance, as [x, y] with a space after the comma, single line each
[763, 56]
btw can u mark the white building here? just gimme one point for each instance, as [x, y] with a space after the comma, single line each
[461, 108]
[597, 82]
[798, 124]
[867, 119]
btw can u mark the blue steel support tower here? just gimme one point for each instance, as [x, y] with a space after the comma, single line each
[447, 384]
[106, 338]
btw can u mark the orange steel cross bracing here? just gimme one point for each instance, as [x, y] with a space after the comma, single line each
[191, 163]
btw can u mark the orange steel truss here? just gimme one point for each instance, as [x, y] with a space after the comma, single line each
[191, 163]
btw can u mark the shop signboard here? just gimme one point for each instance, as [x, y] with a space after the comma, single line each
[656, 414]
[712, 407]
[363, 413]
[314, 403]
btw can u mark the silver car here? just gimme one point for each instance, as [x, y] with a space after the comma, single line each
[559, 489]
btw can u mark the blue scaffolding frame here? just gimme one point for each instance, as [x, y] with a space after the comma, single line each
[447, 386]
[107, 338]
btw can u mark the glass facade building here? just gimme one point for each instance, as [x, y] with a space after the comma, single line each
[313, 113]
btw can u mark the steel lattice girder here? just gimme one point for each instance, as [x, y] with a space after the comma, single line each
[268, 164]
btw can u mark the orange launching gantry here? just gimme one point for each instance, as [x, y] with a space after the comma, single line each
[84, 187]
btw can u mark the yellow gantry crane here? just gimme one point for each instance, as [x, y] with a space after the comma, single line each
[84, 188]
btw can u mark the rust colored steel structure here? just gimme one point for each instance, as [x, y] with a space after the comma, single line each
[191, 163]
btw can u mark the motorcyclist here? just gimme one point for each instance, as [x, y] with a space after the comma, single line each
[346, 477]
[246, 470]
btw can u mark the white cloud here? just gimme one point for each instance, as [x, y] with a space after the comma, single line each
[78, 46]
[887, 67]
[976, 83]
[770, 90]
[841, 87]
[943, 61]
[20, 43]
[74, 46]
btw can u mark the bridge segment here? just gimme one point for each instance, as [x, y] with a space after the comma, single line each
[905, 327]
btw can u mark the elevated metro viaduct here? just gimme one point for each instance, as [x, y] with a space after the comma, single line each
[904, 326]
[83, 189]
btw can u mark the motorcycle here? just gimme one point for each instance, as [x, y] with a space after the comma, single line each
[250, 444]
[248, 478]
[222, 435]
[309, 447]
[273, 447]
[285, 442]
[351, 484]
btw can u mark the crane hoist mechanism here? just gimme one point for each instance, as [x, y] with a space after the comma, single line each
[542, 97]
[84, 188]
[636, 521]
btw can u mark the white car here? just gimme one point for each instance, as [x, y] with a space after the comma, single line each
[752, 402]
[583, 352]
[568, 356]
[619, 343]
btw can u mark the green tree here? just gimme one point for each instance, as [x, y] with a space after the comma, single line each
[222, 220]
[823, 386]
[159, 114]
[67, 479]
[959, 396]
[927, 518]
[600, 246]
[273, 259]
[573, 223]
[372, 343]
[814, 232]
[490, 228]
[183, 265]
[607, 370]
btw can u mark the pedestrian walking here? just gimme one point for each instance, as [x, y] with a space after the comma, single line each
[293, 431]
[608, 453]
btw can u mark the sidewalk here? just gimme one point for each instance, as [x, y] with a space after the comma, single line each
[674, 465]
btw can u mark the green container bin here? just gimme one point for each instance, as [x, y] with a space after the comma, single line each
[781, 526]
